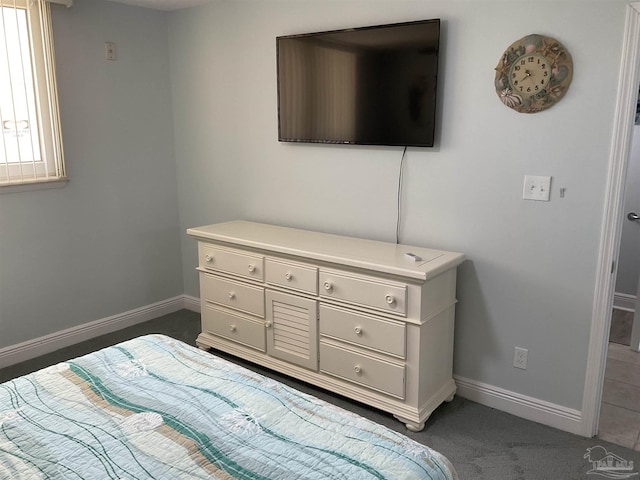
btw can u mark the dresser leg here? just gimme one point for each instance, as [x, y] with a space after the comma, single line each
[202, 345]
[413, 426]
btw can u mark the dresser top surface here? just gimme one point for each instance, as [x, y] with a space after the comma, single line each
[350, 251]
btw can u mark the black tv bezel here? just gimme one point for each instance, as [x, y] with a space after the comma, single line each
[436, 21]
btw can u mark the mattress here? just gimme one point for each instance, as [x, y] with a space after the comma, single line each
[157, 408]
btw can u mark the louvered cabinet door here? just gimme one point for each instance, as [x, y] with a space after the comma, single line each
[292, 329]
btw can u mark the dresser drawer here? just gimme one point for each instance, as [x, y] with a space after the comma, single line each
[363, 330]
[292, 275]
[362, 369]
[230, 261]
[233, 327]
[366, 291]
[239, 296]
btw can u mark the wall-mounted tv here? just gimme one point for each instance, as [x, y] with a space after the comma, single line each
[365, 86]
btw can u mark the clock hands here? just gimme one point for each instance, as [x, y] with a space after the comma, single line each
[527, 76]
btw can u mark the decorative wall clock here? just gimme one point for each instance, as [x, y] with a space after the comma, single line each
[533, 74]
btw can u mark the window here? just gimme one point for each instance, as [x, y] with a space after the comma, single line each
[30, 139]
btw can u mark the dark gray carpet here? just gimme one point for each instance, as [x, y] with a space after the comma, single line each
[482, 443]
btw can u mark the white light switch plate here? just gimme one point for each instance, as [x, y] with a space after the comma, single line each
[110, 50]
[536, 188]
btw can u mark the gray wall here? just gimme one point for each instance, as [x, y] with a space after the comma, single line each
[530, 277]
[108, 242]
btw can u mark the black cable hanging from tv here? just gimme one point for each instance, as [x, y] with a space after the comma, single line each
[399, 200]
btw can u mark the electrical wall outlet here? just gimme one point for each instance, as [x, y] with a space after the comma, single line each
[520, 358]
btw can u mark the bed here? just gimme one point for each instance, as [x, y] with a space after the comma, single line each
[154, 407]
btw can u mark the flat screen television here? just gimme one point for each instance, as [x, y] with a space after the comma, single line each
[365, 86]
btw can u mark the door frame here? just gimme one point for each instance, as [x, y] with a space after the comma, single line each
[613, 218]
[634, 344]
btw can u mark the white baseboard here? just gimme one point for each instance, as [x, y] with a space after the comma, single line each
[530, 408]
[48, 343]
[192, 303]
[623, 301]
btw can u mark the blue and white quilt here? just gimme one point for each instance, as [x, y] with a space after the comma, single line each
[156, 408]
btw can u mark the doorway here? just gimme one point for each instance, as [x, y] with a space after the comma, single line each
[612, 221]
[627, 284]
[619, 420]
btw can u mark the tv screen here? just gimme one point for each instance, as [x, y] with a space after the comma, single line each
[367, 86]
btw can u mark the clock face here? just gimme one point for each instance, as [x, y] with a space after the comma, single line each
[529, 74]
[533, 74]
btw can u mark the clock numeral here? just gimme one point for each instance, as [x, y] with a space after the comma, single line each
[516, 68]
[529, 89]
[521, 87]
[536, 88]
[530, 59]
[522, 62]
[515, 82]
[542, 82]
[544, 74]
[544, 65]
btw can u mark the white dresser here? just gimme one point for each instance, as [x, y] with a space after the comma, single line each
[357, 317]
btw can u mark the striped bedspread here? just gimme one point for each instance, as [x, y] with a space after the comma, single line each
[156, 408]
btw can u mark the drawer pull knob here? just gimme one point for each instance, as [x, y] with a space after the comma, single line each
[358, 370]
[268, 324]
[232, 295]
[358, 331]
[208, 258]
[232, 328]
[252, 268]
[327, 286]
[390, 299]
[288, 276]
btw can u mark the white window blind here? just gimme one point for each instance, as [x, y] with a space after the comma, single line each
[30, 139]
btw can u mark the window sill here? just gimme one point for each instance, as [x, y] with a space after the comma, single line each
[35, 185]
